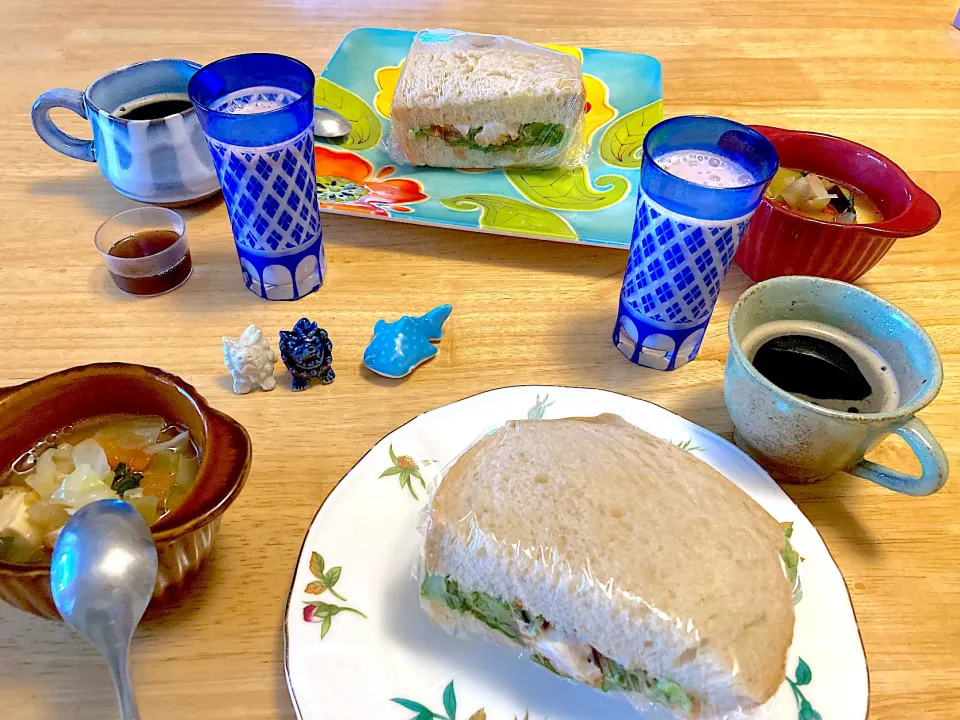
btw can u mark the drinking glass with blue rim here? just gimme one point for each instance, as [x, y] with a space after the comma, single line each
[256, 111]
[701, 179]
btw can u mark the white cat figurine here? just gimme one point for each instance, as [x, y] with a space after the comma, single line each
[250, 361]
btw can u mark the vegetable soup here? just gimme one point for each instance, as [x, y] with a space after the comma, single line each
[146, 461]
[820, 198]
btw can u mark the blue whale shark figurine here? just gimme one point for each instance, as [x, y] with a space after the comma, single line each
[400, 346]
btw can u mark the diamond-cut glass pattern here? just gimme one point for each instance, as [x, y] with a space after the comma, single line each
[675, 269]
[271, 193]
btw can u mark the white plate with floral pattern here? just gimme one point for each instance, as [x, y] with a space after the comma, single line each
[358, 647]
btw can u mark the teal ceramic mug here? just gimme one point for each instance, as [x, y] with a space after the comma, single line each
[799, 441]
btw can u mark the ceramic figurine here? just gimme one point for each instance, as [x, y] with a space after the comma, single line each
[250, 361]
[308, 353]
[399, 347]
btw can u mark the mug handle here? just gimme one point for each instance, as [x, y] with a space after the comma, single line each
[48, 130]
[934, 468]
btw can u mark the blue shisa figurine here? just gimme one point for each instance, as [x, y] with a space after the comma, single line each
[400, 346]
[308, 353]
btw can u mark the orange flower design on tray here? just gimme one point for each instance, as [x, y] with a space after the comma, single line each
[346, 182]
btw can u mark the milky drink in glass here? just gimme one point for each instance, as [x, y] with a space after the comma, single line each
[701, 179]
[257, 113]
[704, 168]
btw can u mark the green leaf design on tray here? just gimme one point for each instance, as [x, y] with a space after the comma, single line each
[622, 142]
[406, 468]
[803, 676]
[539, 408]
[365, 131]
[562, 189]
[791, 562]
[321, 612]
[513, 216]
[688, 445]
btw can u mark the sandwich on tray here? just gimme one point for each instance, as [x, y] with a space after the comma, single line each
[480, 101]
[615, 559]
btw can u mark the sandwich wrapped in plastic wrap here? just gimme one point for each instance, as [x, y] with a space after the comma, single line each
[615, 559]
[481, 101]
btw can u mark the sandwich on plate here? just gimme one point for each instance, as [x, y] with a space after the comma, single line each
[615, 559]
[480, 101]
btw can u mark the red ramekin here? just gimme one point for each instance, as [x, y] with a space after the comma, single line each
[779, 242]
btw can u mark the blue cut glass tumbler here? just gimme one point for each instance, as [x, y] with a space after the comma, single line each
[256, 111]
[701, 179]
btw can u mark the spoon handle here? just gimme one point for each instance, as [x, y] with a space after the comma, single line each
[120, 669]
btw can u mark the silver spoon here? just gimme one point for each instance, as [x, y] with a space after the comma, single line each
[329, 124]
[102, 574]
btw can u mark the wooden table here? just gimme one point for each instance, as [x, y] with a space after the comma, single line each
[880, 72]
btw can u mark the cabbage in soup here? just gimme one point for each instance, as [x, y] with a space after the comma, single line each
[143, 460]
[820, 198]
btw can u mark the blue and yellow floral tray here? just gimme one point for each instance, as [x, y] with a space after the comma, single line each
[593, 205]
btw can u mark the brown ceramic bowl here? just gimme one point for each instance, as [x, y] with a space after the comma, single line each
[184, 537]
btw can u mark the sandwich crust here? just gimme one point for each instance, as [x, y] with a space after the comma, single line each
[626, 542]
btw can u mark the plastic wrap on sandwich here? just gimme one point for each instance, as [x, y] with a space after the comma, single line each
[614, 559]
[465, 100]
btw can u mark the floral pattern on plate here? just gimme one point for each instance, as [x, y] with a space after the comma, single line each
[404, 660]
[449, 707]
[315, 611]
[803, 676]
[405, 468]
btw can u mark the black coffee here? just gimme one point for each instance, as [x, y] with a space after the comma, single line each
[823, 365]
[154, 107]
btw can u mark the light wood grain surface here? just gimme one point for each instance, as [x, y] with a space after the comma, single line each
[880, 72]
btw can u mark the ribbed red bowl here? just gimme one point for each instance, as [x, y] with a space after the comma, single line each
[779, 242]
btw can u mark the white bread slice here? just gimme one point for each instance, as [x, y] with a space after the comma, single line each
[626, 542]
[476, 79]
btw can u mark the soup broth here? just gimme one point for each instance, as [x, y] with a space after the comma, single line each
[821, 198]
[145, 461]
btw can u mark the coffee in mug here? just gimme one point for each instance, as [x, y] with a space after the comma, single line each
[820, 372]
[146, 137]
[154, 107]
[823, 365]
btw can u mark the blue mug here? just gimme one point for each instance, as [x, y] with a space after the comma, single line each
[164, 161]
[796, 440]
